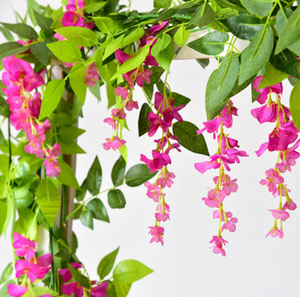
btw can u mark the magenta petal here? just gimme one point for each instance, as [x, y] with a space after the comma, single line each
[16, 290]
[45, 260]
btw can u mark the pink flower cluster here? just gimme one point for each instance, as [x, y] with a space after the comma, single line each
[31, 266]
[162, 119]
[20, 80]
[139, 76]
[227, 154]
[69, 288]
[280, 139]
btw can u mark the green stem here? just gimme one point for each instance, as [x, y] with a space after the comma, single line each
[52, 285]
[64, 190]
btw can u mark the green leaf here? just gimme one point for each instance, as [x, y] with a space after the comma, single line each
[31, 7]
[129, 271]
[70, 147]
[80, 279]
[11, 48]
[98, 210]
[180, 99]
[219, 85]
[188, 138]
[203, 16]
[48, 199]
[7, 272]
[79, 35]
[122, 290]
[134, 62]
[118, 172]
[271, 77]
[143, 123]
[22, 30]
[77, 81]
[67, 175]
[86, 218]
[256, 7]
[2, 189]
[105, 24]
[210, 44]
[44, 23]
[94, 177]
[39, 291]
[165, 57]
[257, 54]
[286, 62]
[27, 223]
[295, 105]
[116, 199]
[113, 46]
[52, 95]
[6, 33]
[135, 35]
[3, 216]
[162, 3]
[290, 33]
[21, 170]
[182, 36]
[80, 193]
[243, 26]
[70, 132]
[137, 175]
[161, 44]
[3, 291]
[107, 263]
[94, 7]
[65, 50]
[95, 90]
[41, 51]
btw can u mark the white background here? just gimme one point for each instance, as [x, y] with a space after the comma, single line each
[185, 265]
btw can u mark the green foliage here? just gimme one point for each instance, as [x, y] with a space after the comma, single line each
[22, 30]
[129, 271]
[11, 48]
[107, 263]
[48, 199]
[162, 3]
[98, 210]
[181, 36]
[137, 175]
[6, 274]
[203, 16]
[40, 51]
[86, 218]
[52, 96]
[256, 7]
[118, 172]
[94, 177]
[80, 193]
[295, 105]
[44, 23]
[210, 44]
[116, 199]
[67, 175]
[65, 50]
[39, 291]
[77, 81]
[272, 76]
[143, 123]
[105, 25]
[188, 138]
[80, 279]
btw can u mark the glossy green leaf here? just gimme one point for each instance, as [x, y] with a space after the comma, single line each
[143, 123]
[52, 95]
[48, 199]
[181, 36]
[94, 177]
[79, 35]
[133, 36]
[77, 81]
[22, 30]
[80, 193]
[118, 172]
[134, 62]
[67, 175]
[94, 7]
[98, 210]
[286, 62]
[116, 199]
[105, 25]
[272, 76]
[129, 271]
[243, 26]
[11, 48]
[210, 44]
[107, 263]
[256, 7]
[65, 50]
[41, 52]
[203, 16]
[188, 138]
[290, 33]
[295, 105]
[137, 175]
[80, 279]
[180, 99]
[44, 23]
[86, 218]
[70, 132]
[220, 84]
[257, 54]
[162, 3]
[6, 274]
[39, 291]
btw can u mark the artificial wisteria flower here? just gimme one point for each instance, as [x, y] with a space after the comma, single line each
[23, 246]
[157, 234]
[226, 155]
[283, 135]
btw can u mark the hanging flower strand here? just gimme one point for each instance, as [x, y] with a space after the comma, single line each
[283, 135]
[227, 153]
